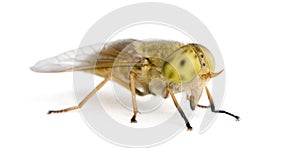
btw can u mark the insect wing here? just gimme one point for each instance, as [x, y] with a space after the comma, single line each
[86, 58]
[67, 61]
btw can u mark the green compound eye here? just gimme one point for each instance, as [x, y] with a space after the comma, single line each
[182, 65]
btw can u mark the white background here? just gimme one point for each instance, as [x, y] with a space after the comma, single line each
[259, 42]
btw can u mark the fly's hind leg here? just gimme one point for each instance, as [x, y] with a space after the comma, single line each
[212, 106]
[133, 93]
[84, 100]
[187, 123]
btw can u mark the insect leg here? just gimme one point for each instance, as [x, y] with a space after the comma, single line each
[179, 109]
[84, 100]
[203, 106]
[212, 106]
[132, 89]
[125, 84]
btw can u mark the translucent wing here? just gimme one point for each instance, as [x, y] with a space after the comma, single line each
[86, 58]
[68, 60]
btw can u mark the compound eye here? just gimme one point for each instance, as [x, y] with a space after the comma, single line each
[182, 65]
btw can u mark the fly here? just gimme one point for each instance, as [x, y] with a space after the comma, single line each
[159, 67]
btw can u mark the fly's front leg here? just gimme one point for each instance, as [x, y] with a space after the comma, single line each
[203, 106]
[191, 99]
[187, 123]
[212, 106]
[132, 89]
[84, 100]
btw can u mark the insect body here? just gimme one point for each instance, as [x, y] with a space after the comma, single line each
[144, 67]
